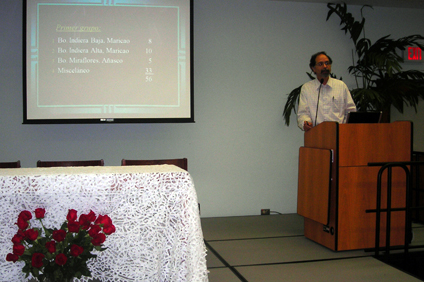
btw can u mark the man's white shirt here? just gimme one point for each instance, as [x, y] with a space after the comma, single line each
[335, 101]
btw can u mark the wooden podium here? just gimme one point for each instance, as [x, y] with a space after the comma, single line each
[336, 186]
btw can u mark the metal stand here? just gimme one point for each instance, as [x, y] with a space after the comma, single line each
[408, 208]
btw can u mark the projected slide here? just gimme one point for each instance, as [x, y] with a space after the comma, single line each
[107, 61]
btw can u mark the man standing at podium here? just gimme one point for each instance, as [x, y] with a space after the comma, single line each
[324, 98]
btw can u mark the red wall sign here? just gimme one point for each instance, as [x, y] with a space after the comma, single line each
[414, 54]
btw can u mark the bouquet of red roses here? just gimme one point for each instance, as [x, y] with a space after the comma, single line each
[59, 254]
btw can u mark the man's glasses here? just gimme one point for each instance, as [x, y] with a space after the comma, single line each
[327, 63]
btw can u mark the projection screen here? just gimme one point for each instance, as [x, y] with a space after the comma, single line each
[108, 61]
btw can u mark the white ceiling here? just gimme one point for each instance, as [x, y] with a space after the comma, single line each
[415, 4]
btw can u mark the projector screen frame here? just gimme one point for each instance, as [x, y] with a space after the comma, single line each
[108, 120]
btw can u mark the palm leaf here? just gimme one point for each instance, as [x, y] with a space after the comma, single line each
[292, 101]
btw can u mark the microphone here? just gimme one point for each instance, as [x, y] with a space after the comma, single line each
[319, 92]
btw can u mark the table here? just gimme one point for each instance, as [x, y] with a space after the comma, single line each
[154, 209]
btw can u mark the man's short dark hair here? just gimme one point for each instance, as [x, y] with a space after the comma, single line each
[313, 61]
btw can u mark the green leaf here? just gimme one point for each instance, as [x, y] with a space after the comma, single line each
[292, 101]
[35, 272]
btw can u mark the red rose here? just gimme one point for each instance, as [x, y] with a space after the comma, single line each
[40, 212]
[18, 250]
[12, 257]
[76, 250]
[103, 219]
[31, 234]
[22, 223]
[37, 260]
[109, 229]
[59, 235]
[72, 215]
[91, 216]
[73, 226]
[25, 215]
[17, 239]
[84, 221]
[61, 259]
[51, 246]
[94, 230]
[98, 239]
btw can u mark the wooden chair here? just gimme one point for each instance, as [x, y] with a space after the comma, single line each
[16, 164]
[70, 163]
[182, 163]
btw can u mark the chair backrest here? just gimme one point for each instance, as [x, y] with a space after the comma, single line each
[182, 163]
[70, 163]
[16, 164]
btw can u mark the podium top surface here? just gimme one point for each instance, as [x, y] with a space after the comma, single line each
[359, 144]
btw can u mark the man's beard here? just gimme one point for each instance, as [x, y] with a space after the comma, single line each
[325, 73]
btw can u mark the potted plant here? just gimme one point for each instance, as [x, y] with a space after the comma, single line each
[380, 79]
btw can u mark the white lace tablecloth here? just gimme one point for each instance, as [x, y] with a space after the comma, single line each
[154, 209]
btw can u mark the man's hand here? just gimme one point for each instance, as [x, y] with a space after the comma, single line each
[307, 125]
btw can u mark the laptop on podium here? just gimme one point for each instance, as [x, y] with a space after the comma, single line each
[364, 117]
